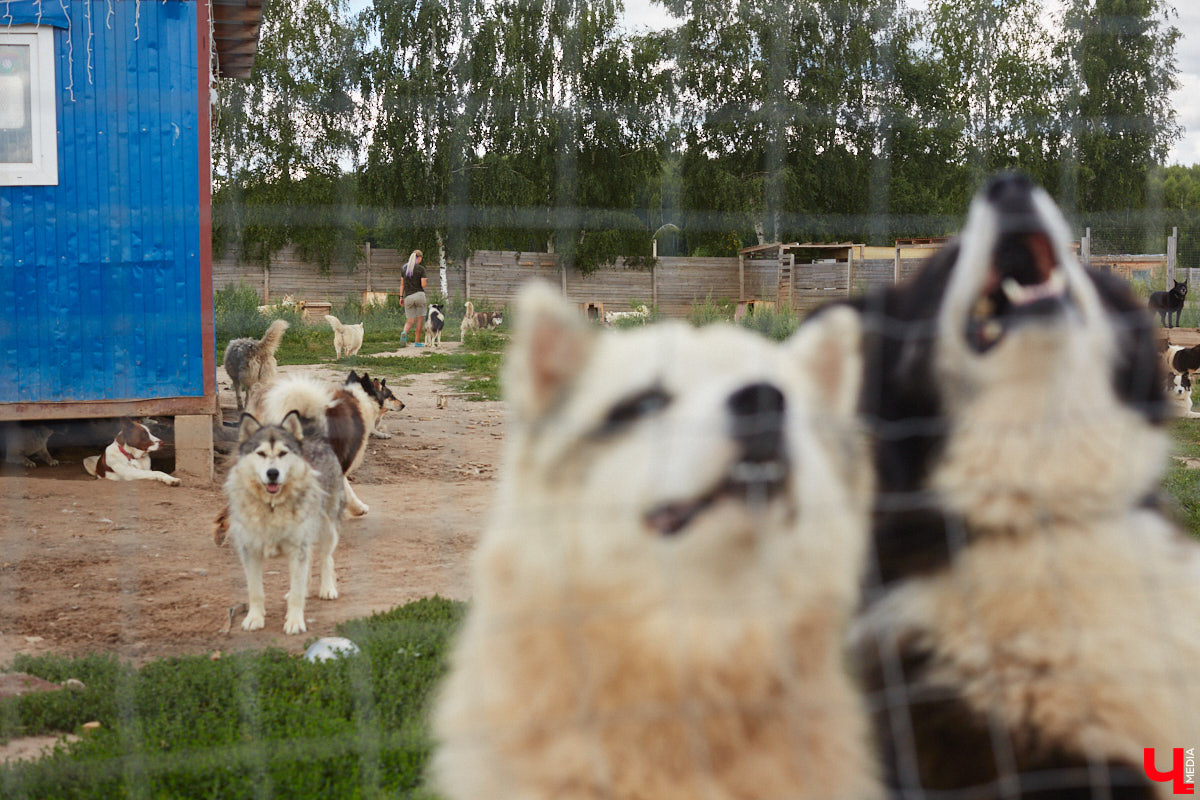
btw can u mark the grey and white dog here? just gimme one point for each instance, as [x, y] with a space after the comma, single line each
[250, 362]
[285, 494]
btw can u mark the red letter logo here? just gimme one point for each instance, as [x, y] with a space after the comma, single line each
[1175, 775]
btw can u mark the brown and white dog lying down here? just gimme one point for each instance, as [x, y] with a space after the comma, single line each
[351, 412]
[128, 457]
[478, 320]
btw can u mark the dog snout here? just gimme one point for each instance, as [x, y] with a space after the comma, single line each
[757, 412]
[272, 475]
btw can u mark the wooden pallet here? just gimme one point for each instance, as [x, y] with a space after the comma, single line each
[1184, 337]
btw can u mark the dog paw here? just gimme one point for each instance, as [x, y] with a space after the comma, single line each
[328, 593]
[293, 625]
[53, 462]
[359, 510]
[27, 462]
[253, 622]
[172, 482]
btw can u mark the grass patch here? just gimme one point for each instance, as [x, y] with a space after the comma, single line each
[264, 724]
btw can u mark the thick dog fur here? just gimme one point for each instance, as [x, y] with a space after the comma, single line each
[1169, 303]
[347, 339]
[128, 457]
[1032, 621]
[659, 601]
[285, 494]
[23, 442]
[251, 362]
[479, 320]
[434, 323]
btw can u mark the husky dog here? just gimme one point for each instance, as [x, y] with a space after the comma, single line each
[347, 339]
[434, 325]
[660, 599]
[479, 320]
[285, 494]
[1168, 303]
[128, 457]
[250, 362]
[1033, 626]
[24, 442]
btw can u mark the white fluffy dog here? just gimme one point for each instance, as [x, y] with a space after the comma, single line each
[660, 599]
[347, 339]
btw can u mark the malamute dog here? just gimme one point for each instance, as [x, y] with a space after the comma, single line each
[1033, 625]
[285, 494]
[347, 339]
[250, 362]
[660, 599]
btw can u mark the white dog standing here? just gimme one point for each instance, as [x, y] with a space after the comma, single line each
[347, 339]
[128, 457]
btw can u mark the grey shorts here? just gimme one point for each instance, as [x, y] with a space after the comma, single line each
[414, 306]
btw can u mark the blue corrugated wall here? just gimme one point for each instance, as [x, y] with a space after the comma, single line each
[100, 295]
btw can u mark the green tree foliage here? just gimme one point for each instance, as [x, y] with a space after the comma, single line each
[455, 125]
[1120, 59]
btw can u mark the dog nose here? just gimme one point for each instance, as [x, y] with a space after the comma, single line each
[272, 475]
[1007, 185]
[757, 412]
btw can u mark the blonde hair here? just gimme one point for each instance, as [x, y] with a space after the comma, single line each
[412, 263]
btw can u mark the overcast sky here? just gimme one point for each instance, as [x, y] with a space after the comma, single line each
[642, 14]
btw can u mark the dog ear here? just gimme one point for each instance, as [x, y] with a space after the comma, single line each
[352, 377]
[248, 427]
[828, 349]
[551, 342]
[293, 425]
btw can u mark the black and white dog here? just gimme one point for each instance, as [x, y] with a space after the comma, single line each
[1168, 303]
[1030, 625]
[434, 324]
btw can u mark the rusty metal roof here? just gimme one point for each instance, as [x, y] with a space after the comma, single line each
[235, 26]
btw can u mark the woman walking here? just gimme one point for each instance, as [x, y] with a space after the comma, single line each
[412, 290]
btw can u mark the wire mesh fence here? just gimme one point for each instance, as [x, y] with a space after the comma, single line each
[934, 543]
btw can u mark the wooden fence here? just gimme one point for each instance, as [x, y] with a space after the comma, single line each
[674, 284]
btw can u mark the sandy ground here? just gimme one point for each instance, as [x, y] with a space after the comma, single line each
[131, 567]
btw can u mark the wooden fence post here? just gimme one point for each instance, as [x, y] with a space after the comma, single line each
[267, 282]
[367, 247]
[741, 277]
[467, 276]
[896, 266]
[1172, 254]
[1085, 248]
[850, 273]
[654, 283]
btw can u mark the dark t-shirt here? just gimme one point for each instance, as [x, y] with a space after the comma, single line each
[412, 285]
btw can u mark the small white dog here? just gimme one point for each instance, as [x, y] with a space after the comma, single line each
[347, 339]
[128, 457]
[1179, 394]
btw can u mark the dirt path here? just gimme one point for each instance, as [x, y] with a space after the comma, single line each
[131, 567]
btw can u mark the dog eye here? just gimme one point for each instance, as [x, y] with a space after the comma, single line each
[263, 453]
[633, 408]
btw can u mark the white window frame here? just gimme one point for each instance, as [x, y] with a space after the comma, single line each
[43, 169]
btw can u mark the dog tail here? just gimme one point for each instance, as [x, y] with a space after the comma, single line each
[334, 322]
[274, 335]
[89, 464]
[309, 397]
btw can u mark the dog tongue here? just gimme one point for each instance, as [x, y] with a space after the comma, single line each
[272, 488]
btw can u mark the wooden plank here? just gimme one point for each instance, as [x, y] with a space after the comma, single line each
[162, 406]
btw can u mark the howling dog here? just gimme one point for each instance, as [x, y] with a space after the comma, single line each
[251, 362]
[1032, 620]
[285, 495]
[660, 599]
[347, 339]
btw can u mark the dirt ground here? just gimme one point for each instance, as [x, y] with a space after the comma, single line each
[131, 567]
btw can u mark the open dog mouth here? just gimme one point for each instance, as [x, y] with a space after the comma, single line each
[272, 488]
[1024, 282]
[751, 482]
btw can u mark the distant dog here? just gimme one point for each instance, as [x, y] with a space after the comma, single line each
[23, 442]
[1179, 394]
[1183, 359]
[347, 339]
[289, 302]
[478, 320]
[434, 324]
[251, 362]
[285, 494]
[1168, 303]
[641, 313]
[128, 457]
[660, 599]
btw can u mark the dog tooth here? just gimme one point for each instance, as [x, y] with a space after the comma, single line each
[992, 330]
